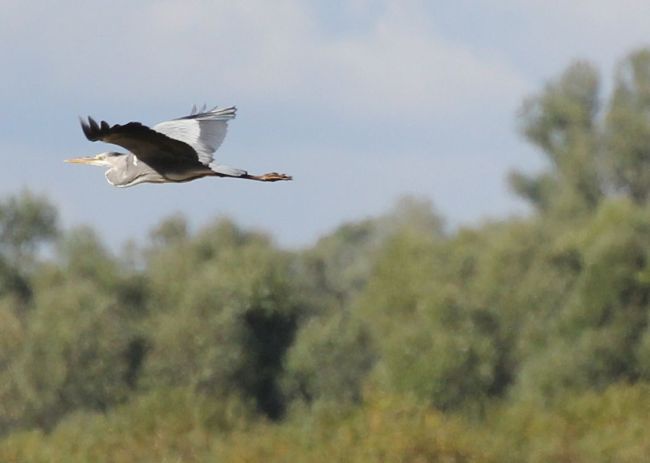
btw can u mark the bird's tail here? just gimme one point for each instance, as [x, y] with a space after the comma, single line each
[227, 171]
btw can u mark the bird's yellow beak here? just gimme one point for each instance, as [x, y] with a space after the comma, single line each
[83, 160]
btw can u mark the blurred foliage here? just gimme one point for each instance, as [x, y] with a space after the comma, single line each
[232, 320]
[627, 128]
[329, 360]
[26, 220]
[392, 338]
[178, 425]
[561, 121]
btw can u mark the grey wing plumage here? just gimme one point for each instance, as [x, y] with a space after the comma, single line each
[203, 130]
[148, 145]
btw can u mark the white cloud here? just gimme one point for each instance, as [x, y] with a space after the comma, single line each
[257, 50]
[554, 32]
[403, 65]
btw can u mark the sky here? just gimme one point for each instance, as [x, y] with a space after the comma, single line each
[362, 101]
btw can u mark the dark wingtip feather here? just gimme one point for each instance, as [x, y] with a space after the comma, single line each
[93, 124]
[86, 129]
[92, 130]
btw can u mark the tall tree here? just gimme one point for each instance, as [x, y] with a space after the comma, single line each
[26, 220]
[628, 127]
[224, 315]
[561, 122]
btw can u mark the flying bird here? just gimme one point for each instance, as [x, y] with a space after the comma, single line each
[174, 151]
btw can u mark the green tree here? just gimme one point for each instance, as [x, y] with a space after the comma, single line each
[330, 360]
[170, 231]
[73, 356]
[26, 220]
[433, 341]
[337, 268]
[225, 315]
[561, 122]
[79, 340]
[592, 340]
[627, 127]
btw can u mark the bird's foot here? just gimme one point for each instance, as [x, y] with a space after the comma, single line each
[274, 177]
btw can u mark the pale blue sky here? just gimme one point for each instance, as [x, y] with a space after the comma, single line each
[361, 101]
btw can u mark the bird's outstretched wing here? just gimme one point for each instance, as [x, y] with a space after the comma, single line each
[148, 145]
[203, 130]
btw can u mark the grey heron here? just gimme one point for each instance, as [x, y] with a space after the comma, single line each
[179, 150]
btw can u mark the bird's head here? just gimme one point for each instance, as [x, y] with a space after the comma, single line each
[106, 159]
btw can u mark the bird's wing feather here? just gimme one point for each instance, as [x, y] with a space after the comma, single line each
[148, 145]
[204, 130]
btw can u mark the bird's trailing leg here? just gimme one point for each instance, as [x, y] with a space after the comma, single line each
[225, 171]
[270, 177]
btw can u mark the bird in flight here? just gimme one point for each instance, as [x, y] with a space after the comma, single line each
[174, 151]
